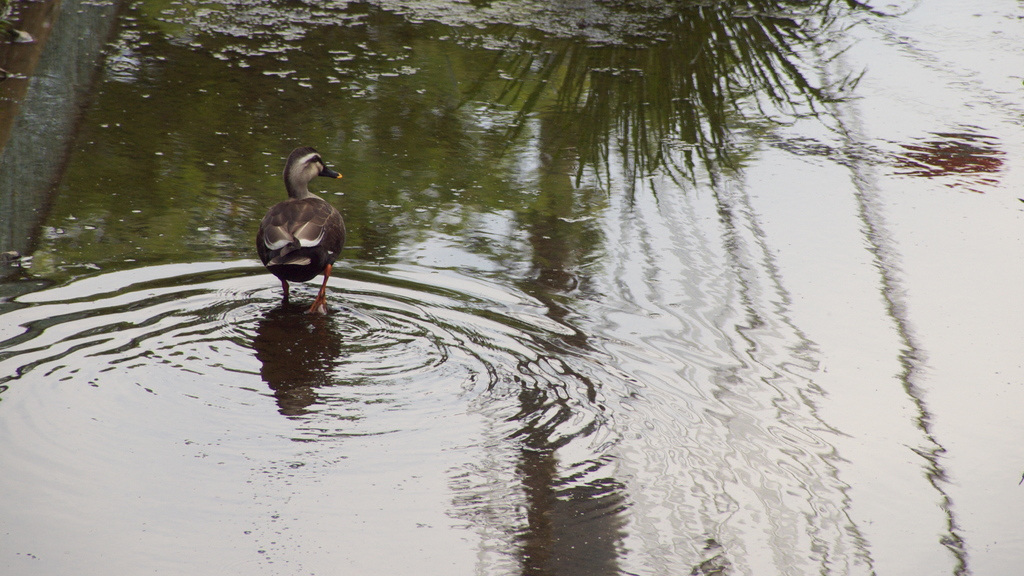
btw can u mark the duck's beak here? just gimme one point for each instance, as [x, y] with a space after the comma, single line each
[329, 173]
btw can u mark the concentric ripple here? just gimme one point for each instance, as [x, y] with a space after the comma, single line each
[392, 334]
[171, 401]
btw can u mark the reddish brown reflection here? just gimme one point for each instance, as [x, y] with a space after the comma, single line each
[970, 157]
[18, 59]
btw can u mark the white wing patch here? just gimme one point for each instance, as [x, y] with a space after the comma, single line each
[307, 243]
[307, 229]
[285, 238]
[277, 245]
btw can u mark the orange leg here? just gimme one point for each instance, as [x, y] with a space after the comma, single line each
[320, 304]
[284, 286]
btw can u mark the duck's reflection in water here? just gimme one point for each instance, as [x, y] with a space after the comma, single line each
[298, 353]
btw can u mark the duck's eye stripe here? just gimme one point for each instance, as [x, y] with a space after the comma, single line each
[308, 159]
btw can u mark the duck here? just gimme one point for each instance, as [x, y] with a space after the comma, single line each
[303, 235]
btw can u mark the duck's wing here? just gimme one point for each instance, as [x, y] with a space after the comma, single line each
[299, 223]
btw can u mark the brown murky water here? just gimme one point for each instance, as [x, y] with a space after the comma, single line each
[703, 288]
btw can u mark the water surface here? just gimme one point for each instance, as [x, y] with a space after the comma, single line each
[703, 288]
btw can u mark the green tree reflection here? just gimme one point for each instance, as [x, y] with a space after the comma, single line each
[669, 91]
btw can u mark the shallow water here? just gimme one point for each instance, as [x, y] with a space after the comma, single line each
[188, 396]
[598, 314]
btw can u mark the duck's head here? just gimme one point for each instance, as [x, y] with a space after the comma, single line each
[303, 165]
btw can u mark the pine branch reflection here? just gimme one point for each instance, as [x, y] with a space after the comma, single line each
[669, 95]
